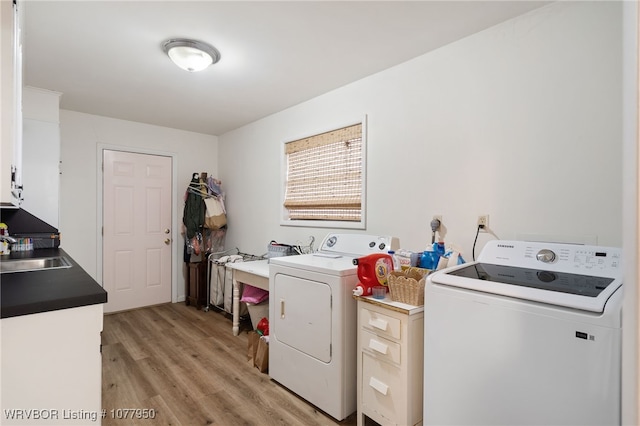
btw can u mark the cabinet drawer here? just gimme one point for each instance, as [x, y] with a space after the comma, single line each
[383, 390]
[381, 324]
[380, 347]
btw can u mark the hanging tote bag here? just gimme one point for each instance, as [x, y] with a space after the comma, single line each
[215, 216]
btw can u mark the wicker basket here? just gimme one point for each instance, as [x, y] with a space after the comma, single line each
[408, 286]
[277, 250]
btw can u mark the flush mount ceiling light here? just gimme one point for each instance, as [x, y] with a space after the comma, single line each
[191, 55]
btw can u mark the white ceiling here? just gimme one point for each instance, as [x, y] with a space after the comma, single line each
[106, 57]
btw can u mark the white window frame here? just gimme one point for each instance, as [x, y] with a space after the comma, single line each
[284, 217]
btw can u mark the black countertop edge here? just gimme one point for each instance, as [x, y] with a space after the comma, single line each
[24, 293]
[49, 306]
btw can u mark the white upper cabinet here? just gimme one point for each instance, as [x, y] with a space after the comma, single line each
[41, 153]
[11, 104]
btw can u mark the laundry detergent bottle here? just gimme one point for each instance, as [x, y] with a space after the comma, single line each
[373, 270]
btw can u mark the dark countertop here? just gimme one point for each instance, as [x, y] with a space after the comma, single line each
[23, 293]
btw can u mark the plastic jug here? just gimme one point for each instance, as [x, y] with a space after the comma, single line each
[373, 270]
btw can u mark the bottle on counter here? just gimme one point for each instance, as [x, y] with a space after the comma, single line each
[395, 260]
[429, 259]
[373, 270]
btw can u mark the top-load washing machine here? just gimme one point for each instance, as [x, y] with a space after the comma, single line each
[313, 320]
[529, 334]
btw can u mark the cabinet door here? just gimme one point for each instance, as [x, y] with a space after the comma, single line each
[303, 315]
[51, 363]
[11, 111]
[40, 170]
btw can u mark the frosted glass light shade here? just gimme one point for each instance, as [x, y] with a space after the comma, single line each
[191, 55]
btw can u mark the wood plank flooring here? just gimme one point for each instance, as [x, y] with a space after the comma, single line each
[186, 365]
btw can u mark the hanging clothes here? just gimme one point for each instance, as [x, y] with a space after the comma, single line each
[214, 186]
[194, 209]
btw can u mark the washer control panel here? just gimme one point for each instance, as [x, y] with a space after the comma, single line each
[574, 258]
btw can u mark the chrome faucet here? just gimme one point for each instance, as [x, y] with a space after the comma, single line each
[9, 239]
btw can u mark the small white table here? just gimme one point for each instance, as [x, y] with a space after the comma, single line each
[255, 273]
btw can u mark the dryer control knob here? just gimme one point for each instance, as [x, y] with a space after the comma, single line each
[546, 256]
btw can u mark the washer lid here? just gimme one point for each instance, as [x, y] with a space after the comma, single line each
[584, 292]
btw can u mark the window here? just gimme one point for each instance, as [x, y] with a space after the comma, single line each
[325, 179]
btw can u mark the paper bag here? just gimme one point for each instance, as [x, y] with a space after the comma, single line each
[261, 359]
[252, 346]
[215, 217]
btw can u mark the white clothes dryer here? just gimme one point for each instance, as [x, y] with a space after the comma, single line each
[313, 321]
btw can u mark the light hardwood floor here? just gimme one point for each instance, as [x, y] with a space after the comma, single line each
[186, 365]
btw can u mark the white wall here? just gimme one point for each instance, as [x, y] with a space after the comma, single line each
[521, 121]
[631, 235]
[83, 136]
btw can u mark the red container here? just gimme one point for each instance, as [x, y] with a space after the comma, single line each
[373, 270]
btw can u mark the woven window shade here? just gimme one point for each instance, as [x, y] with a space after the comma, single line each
[324, 176]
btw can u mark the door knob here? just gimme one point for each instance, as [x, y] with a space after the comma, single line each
[166, 231]
[167, 241]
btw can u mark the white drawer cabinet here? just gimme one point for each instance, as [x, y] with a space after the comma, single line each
[390, 362]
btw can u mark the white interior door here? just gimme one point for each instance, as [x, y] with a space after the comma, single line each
[137, 229]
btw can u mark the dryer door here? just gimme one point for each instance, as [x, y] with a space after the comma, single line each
[302, 315]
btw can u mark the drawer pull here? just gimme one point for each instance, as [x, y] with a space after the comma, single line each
[281, 308]
[378, 346]
[378, 323]
[378, 385]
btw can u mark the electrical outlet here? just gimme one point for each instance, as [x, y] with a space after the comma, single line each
[483, 220]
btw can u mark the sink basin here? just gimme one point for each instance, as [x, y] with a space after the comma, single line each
[39, 264]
